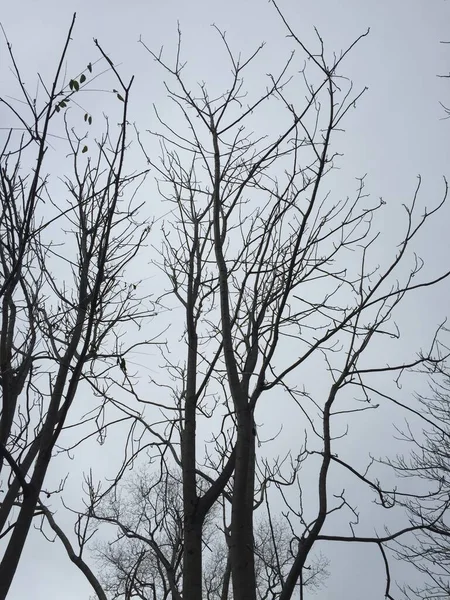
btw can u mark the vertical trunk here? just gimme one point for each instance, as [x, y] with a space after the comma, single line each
[192, 560]
[193, 522]
[241, 543]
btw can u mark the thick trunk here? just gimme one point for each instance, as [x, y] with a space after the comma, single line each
[193, 521]
[192, 561]
[241, 535]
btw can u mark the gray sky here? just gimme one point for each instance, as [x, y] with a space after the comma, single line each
[395, 133]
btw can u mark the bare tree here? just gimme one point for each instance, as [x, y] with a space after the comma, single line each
[65, 298]
[256, 253]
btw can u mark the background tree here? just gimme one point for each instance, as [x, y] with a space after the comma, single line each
[65, 299]
[145, 558]
[427, 464]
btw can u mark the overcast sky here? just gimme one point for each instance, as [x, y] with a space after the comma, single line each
[396, 132]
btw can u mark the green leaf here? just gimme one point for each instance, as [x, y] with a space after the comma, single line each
[89, 67]
[62, 104]
[85, 149]
[76, 85]
[83, 78]
[120, 98]
[90, 120]
[71, 84]
[57, 108]
[86, 117]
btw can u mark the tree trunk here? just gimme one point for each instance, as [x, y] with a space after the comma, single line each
[192, 561]
[241, 542]
[193, 520]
